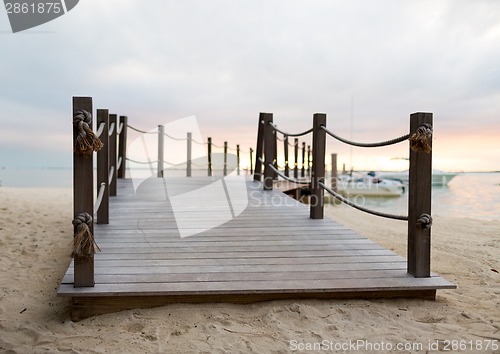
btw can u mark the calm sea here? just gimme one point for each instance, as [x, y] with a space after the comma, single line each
[473, 195]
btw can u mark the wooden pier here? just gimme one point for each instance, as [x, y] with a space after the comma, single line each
[232, 238]
[272, 250]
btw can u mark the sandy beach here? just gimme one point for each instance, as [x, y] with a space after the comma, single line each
[35, 250]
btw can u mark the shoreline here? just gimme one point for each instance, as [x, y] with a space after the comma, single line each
[35, 250]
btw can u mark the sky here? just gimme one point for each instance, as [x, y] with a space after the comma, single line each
[367, 64]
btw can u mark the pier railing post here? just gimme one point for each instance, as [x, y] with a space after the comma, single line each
[103, 166]
[161, 149]
[251, 161]
[334, 173]
[259, 149]
[113, 124]
[83, 196]
[303, 170]
[238, 159]
[122, 146]
[189, 143]
[296, 158]
[309, 160]
[318, 168]
[224, 173]
[285, 152]
[419, 203]
[209, 153]
[269, 151]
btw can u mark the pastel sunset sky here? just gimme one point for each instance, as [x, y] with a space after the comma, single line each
[367, 64]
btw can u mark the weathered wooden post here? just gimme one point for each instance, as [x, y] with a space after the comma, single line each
[122, 146]
[308, 160]
[334, 173]
[113, 127]
[103, 166]
[275, 174]
[161, 149]
[296, 156]
[209, 153]
[269, 151]
[285, 151]
[257, 175]
[238, 159]
[189, 143]
[303, 169]
[251, 162]
[224, 172]
[419, 203]
[318, 169]
[83, 195]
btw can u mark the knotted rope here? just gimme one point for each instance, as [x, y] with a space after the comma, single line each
[86, 141]
[425, 221]
[84, 241]
[419, 141]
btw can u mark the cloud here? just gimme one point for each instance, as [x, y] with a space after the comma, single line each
[226, 61]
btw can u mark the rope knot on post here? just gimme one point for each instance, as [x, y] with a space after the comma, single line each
[84, 242]
[425, 221]
[86, 141]
[419, 141]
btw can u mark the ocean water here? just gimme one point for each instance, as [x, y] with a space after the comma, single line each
[468, 195]
[471, 195]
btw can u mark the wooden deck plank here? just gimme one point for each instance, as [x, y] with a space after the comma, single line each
[248, 287]
[242, 276]
[271, 250]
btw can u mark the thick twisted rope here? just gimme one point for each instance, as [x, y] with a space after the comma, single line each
[356, 206]
[425, 221]
[174, 138]
[100, 195]
[419, 141]
[142, 162]
[86, 141]
[289, 179]
[84, 242]
[369, 145]
[140, 131]
[289, 134]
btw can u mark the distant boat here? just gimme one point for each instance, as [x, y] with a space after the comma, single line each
[439, 178]
[368, 185]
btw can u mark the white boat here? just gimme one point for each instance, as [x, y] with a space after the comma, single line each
[439, 178]
[368, 185]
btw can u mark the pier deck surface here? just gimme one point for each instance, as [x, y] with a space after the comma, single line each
[201, 240]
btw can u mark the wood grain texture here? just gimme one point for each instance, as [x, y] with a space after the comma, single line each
[272, 250]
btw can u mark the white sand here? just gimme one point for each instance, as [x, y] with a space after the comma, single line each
[35, 248]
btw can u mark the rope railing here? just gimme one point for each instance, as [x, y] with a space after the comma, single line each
[141, 162]
[290, 134]
[174, 138]
[100, 195]
[111, 174]
[217, 146]
[140, 131]
[367, 145]
[100, 130]
[120, 128]
[289, 179]
[198, 142]
[359, 207]
[111, 128]
[119, 163]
